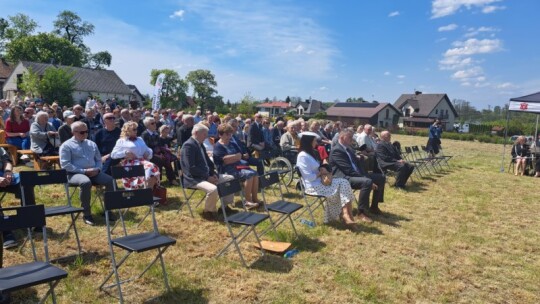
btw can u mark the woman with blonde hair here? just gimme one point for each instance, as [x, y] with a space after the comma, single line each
[520, 152]
[134, 152]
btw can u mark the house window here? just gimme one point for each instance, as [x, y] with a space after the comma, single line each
[387, 113]
[407, 112]
[436, 112]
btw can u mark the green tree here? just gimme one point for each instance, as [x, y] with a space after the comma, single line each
[99, 60]
[58, 84]
[204, 84]
[20, 26]
[30, 83]
[44, 48]
[70, 26]
[173, 92]
[247, 105]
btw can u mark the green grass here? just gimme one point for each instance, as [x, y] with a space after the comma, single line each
[468, 235]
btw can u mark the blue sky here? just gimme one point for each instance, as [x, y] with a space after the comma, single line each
[483, 51]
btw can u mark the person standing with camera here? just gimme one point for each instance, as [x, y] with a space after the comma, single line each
[434, 140]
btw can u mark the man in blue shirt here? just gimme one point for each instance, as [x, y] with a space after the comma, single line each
[81, 159]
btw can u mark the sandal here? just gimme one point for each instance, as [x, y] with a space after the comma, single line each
[250, 205]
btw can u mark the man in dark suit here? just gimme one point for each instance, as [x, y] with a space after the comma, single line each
[256, 136]
[277, 132]
[198, 171]
[183, 133]
[389, 158]
[346, 164]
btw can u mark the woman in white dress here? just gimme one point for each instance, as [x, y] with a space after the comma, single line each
[339, 194]
[134, 152]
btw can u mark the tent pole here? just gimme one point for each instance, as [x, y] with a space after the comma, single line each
[505, 135]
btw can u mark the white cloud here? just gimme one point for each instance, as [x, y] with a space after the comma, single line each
[492, 8]
[505, 85]
[468, 73]
[178, 14]
[441, 39]
[298, 49]
[401, 76]
[442, 8]
[454, 63]
[387, 73]
[447, 28]
[474, 46]
[393, 14]
[471, 32]
[323, 88]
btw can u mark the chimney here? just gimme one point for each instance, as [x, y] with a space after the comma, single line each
[417, 92]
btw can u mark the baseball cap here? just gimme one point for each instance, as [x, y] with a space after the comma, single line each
[68, 114]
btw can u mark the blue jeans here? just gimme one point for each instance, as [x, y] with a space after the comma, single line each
[19, 142]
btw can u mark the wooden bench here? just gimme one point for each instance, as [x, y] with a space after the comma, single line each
[12, 150]
[41, 162]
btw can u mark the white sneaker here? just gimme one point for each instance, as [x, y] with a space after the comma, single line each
[25, 157]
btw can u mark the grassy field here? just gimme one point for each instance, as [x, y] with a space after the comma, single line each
[467, 235]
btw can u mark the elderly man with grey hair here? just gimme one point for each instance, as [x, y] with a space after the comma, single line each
[81, 159]
[198, 171]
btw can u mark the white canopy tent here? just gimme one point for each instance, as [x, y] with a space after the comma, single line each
[524, 104]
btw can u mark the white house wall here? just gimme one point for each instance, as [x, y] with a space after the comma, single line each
[444, 106]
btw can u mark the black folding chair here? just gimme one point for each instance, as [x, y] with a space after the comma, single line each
[16, 277]
[284, 208]
[120, 172]
[248, 220]
[185, 190]
[316, 200]
[52, 177]
[133, 243]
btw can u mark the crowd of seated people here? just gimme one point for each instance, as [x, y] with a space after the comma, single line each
[92, 138]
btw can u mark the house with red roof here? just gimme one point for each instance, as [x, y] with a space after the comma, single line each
[275, 108]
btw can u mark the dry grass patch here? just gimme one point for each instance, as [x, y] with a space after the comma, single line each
[469, 234]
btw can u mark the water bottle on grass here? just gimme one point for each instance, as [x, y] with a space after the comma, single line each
[310, 224]
[291, 253]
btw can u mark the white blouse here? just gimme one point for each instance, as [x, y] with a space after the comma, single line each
[309, 167]
[137, 147]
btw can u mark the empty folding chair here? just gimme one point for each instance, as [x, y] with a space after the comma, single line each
[245, 219]
[420, 167]
[17, 277]
[53, 177]
[133, 243]
[284, 208]
[436, 160]
[188, 192]
[316, 200]
[431, 163]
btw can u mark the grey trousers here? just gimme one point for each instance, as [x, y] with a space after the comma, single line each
[85, 187]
